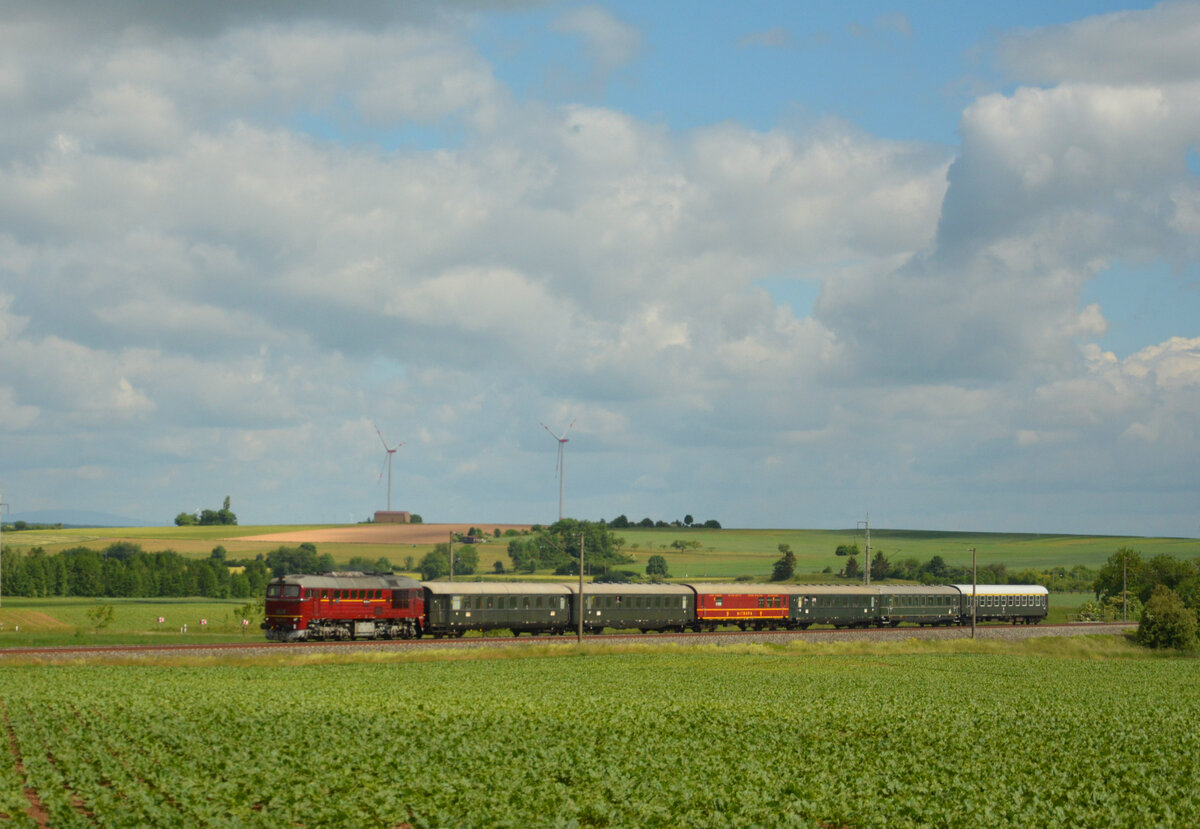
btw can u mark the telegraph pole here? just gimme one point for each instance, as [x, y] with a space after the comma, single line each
[974, 587]
[452, 556]
[1124, 588]
[581, 537]
[2, 506]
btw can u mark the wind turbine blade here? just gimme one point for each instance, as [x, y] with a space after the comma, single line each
[381, 466]
[551, 431]
[569, 427]
[381, 440]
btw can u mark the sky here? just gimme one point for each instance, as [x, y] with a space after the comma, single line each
[781, 265]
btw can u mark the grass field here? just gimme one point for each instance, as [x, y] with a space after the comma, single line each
[26, 622]
[1089, 732]
[720, 554]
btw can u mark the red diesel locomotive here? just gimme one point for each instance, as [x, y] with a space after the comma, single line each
[344, 606]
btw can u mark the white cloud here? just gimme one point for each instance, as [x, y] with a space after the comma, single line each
[609, 42]
[202, 286]
[1153, 46]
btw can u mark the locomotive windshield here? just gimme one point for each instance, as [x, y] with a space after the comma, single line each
[272, 591]
[288, 591]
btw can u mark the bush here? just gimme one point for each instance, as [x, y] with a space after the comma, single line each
[1167, 622]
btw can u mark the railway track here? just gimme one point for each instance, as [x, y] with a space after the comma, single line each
[991, 631]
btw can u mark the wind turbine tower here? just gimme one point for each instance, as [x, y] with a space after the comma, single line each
[562, 468]
[390, 452]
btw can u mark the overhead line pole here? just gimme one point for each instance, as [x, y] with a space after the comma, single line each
[2, 506]
[581, 537]
[867, 566]
[974, 587]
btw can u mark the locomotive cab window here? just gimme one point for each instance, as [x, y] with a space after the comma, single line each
[291, 591]
[272, 591]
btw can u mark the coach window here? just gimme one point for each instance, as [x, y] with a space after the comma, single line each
[456, 602]
[718, 601]
[489, 602]
[525, 603]
[608, 601]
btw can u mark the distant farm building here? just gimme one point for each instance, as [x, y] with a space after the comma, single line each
[392, 517]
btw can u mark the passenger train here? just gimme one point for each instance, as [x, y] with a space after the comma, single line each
[356, 605]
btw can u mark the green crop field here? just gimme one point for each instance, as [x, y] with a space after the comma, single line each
[797, 736]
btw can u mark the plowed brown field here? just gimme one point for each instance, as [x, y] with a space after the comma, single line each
[382, 533]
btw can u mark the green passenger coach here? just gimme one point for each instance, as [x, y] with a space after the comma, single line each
[453, 608]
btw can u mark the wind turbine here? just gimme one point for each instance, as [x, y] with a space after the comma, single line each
[390, 452]
[562, 461]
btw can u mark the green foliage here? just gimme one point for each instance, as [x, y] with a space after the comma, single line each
[1124, 563]
[881, 568]
[436, 563]
[557, 547]
[656, 566]
[124, 570]
[785, 567]
[1166, 622]
[846, 550]
[208, 517]
[101, 616]
[415, 519]
[284, 561]
[852, 570]
[536, 745]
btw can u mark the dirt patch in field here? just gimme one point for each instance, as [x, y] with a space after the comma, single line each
[29, 620]
[382, 533]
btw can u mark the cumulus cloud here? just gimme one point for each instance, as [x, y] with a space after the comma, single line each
[1050, 187]
[201, 286]
[1156, 46]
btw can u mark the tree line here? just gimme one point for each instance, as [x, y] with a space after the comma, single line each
[124, 570]
[622, 522]
[557, 548]
[1162, 592]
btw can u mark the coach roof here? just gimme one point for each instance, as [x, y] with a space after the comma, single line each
[494, 588]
